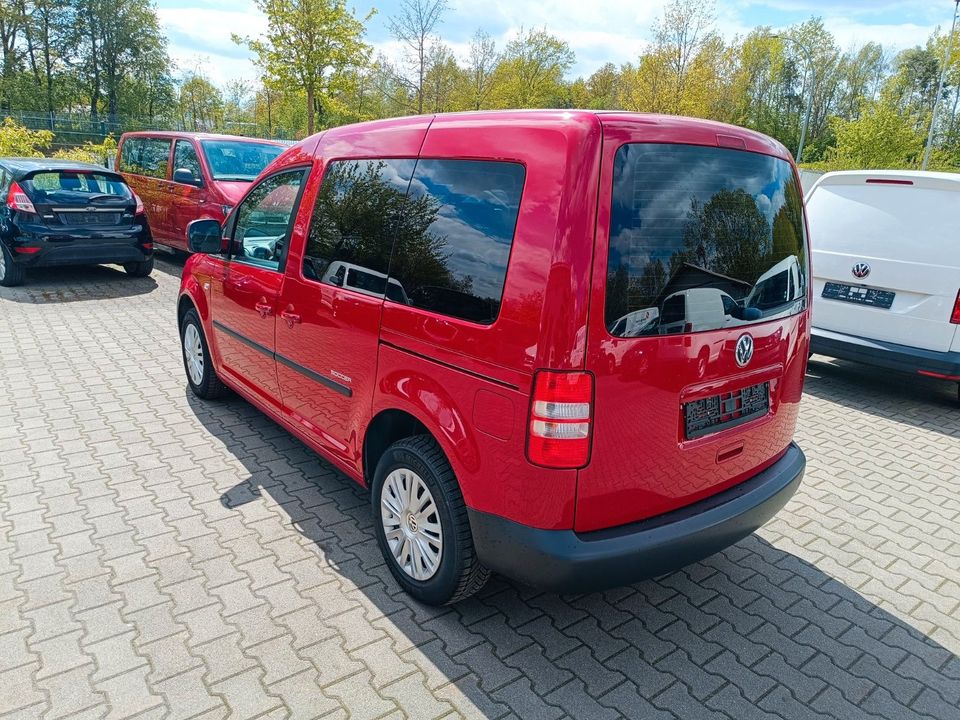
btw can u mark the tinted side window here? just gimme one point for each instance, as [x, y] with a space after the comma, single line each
[185, 156]
[354, 223]
[454, 237]
[262, 224]
[145, 156]
[702, 238]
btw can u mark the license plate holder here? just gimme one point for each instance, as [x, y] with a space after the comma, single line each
[859, 295]
[727, 410]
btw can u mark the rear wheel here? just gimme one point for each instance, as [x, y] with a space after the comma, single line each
[11, 274]
[421, 523]
[201, 376]
[139, 269]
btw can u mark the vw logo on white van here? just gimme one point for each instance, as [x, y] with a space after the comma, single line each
[861, 270]
[744, 350]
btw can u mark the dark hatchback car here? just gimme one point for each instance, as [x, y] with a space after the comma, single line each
[58, 212]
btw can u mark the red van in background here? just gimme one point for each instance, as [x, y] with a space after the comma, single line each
[182, 177]
[565, 346]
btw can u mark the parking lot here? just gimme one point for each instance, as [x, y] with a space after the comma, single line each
[165, 557]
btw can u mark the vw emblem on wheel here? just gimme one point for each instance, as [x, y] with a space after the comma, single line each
[744, 351]
[861, 270]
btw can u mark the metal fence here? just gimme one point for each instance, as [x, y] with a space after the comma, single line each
[71, 129]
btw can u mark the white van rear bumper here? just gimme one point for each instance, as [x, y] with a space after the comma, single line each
[886, 354]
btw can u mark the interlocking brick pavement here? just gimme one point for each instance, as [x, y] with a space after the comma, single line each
[162, 557]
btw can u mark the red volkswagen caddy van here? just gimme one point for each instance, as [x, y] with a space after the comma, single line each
[182, 177]
[568, 347]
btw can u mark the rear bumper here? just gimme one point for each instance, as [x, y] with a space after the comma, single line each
[567, 561]
[81, 251]
[884, 354]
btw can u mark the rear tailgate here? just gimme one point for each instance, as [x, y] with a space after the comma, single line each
[81, 200]
[899, 238]
[676, 417]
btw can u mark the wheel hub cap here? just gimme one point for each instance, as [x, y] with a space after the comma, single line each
[193, 353]
[411, 524]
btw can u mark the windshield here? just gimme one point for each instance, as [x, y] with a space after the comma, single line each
[238, 160]
[704, 237]
[49, 183]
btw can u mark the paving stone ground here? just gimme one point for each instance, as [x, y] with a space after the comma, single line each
[162, 557]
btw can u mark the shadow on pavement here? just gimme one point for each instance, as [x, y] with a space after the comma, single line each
[77, 284]
[926, 403]
[753, 631]
[170, 263]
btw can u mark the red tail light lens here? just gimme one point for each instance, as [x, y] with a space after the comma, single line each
[955, 315]
[140, 210]
[561, 419]
[17, 199]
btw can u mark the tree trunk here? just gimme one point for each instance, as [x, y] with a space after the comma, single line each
[94, 64]
[311, 91]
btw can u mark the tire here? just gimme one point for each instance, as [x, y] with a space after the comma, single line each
[202, 378]
[139, 269]
[458, 573]
[11, 274]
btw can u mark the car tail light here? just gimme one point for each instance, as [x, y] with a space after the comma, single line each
[27, 250]
[955, 315]
[140, 209]
[561, 419]
[17, 199]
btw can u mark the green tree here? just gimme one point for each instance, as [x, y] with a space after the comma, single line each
[728, 235]
[480, 71]
[531, 72]
[310, 45]
[413, 27]
[200, 103]
[882, 137]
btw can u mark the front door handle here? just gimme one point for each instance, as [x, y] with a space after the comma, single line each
[264, 308]
[291, 318]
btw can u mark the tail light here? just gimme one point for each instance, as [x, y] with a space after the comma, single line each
[955, 315]
[17, 199]
[140, 209]
[561, 419]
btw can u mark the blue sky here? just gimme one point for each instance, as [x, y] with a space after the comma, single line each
[616, 30]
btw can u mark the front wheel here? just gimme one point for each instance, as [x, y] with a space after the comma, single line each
[11, 274]
[201, 376]
[421, 524]
[139, 269]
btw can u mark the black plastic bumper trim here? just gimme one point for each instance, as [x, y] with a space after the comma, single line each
[567, 561]
[883, 354]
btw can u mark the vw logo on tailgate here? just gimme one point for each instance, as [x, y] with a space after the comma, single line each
[861, 270]
[744, 350]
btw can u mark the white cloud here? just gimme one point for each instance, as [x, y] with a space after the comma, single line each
[616, 31]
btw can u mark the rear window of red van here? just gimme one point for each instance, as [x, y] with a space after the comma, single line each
[702, 238]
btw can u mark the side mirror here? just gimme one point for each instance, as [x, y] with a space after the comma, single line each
[204, 236]
[185, 176]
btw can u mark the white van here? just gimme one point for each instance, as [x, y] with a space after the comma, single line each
[780, 285]
[364, 280]
[697, 309]
[886, 269]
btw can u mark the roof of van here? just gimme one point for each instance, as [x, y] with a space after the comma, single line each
[200, 136]
[907, 178]
[666, 126]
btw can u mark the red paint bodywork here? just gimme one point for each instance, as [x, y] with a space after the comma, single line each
[171, 206]
[470, 384]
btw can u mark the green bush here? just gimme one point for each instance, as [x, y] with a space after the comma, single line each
[18, 141]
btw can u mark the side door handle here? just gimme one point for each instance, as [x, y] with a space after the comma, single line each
[290, 317]
[264, 308]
